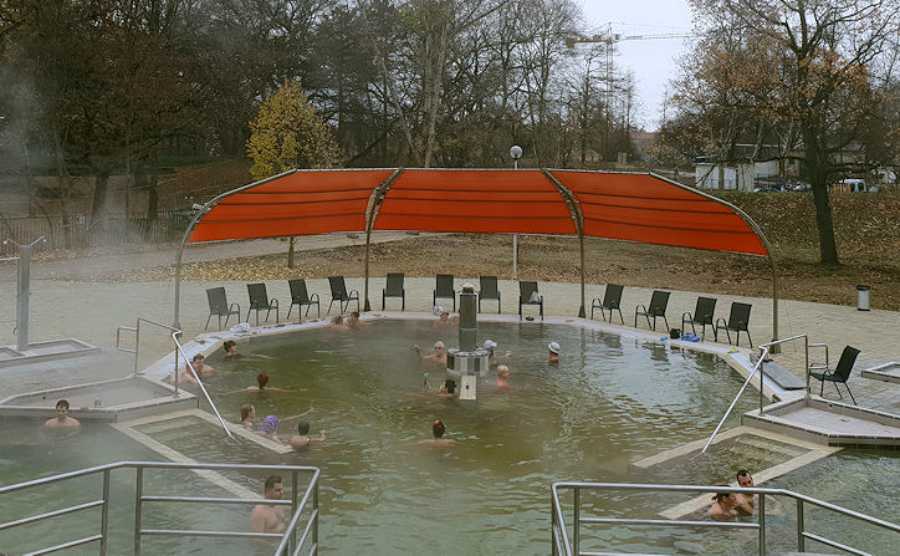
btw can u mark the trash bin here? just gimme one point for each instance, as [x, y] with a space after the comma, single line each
[862, 298]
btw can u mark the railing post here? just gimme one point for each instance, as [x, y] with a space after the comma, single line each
[801, 527]
[762, 379]
[175, 378]
[138, 508]
[553, 551]
[762, 524]
[104, 515]
[315, 529]
[806, 371]
[292, 543]
[576, 533]
[137, 345]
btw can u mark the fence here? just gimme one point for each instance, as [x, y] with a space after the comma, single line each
[78, 231]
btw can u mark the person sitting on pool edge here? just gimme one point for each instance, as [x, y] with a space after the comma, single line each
[248, 416]
[744, 501]
[723, 507]
[553, 353]
[438, 441]
[302, 438]
[62, 419]
[439, 355]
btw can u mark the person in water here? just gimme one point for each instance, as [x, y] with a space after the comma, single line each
[248, 416]
[302, 439]
[337, 323]
[231, 351]
[269, 428]
[490, 346]
[724, 507]
[438, 429]
[553, 353]
[438, 355]
[62, 419]
[448, 389]
[354, 322]
[262, 381]
[200, 367]
[744, 502]
[503, 375]
[266, 518]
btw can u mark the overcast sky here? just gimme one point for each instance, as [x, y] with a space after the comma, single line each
[652, 61]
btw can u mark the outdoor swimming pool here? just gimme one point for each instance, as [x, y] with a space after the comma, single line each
[611, 401]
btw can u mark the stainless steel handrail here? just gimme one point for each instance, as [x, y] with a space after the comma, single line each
[180, 350]
[287, 537]
[137, 339]
[764, 350]
[562, 545]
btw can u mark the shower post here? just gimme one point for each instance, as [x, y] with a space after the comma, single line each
[23, 292]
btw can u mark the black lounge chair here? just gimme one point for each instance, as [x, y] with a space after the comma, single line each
[443, 289]
[738, 321]
[703, 314]
[489, 290]
[339, 294]
[394, 288]
[259, 300]
[659, 301]
[612, 301]
[839, 374]
[300, 297]
[219, 307]
[528, 295]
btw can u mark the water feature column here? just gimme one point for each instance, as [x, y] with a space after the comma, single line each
[23, 292]
[469, 361]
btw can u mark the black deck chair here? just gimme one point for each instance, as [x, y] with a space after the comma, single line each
[443, 289]
[259, 300]
[219, 307]
[659, 301]
[839, 374]
[339, 294]
[738, 321]
[703, 314]
[300, 297]
[528, 295]
[394, 288]
[489, 290]
[612, 301]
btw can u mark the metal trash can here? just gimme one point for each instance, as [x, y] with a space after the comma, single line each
[862, 298]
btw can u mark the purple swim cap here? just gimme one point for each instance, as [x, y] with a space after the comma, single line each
[269, 424]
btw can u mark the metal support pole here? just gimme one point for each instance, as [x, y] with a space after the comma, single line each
[806, 358]
[515, 256]
[801, 527]
[581, 310]
[366, 306]
[762, 524]
[315, 530]
[776, 348]
[295, 487]
[762, 379]
[104, 515]
[138, 509]
[23, 297]
[553, 551]
[576, 519]
[137, 346]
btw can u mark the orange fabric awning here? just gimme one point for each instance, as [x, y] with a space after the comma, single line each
[624, 206]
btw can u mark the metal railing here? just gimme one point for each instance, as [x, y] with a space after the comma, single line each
[288, 539]
[179, 353]
[764, 350]
[564, 545]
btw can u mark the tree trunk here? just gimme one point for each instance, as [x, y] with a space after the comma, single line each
[98, 204]
[291, 252]
[825, 223]
[152, 205]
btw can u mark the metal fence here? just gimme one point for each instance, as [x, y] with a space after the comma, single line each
[78, 231]
[288, 542]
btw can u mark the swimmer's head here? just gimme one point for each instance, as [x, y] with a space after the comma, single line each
[269, 424]
[445, 315]
[437, 310]
[302, 428]
[337, 320]
[229, 345]
[355, 315]
[554, 348]
[247, 411]
[198, 358]
[490, 345]
[262, 379]
[503, 371]
[439, 346]
[438, 429]
[450, 385]
[62, 408]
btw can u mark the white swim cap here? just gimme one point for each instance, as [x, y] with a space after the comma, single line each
[554, 347]
[439, 344]
[437, 310]
[490, 344]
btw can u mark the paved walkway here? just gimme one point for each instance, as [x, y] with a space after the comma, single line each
[91, 312]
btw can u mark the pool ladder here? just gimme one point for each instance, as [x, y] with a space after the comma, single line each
[302, 508]
[564, 544]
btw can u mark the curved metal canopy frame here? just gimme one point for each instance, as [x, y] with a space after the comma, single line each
[379, 193]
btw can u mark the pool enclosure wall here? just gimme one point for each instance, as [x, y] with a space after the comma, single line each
[630, 206]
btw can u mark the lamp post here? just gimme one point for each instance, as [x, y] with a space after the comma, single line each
[515, 152]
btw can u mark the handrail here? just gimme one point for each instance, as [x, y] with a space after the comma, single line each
[759, 366]
[287, 538]
[560, 537]
[179, 350]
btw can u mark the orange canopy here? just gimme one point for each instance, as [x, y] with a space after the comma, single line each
[625, 206]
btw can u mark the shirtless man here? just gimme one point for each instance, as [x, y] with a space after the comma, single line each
[262, 379]
[62, 419]
[202, 369]
[553, 355]
[443, 318]
[744, 501]
[503, 375]
[723, 508]
[439, 355]
[302, 438]
[353, 321]
[270, 519]
[231, 351]
[490, 346]
[437, 430]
